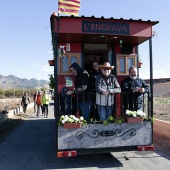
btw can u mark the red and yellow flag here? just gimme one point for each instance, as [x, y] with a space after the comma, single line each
[70, 7]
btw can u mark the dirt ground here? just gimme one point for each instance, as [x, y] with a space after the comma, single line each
[162, 113]
[161, 137]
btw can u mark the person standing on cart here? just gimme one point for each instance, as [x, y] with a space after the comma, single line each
[106, 86]
[135, 87]
[82, 90]
[93, 74]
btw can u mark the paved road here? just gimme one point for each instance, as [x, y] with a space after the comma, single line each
[32, 147]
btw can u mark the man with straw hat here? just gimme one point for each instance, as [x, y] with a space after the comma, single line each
[106, 86]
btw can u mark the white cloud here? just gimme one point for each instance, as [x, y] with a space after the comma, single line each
[35, 64]
[21, 71]
[11, 65]
[49, 52]
[47, 68]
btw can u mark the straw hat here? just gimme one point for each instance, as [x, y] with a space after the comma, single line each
[106, 65]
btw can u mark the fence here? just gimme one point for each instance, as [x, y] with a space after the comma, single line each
[122, 101]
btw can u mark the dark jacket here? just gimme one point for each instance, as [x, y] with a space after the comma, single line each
[133, 101]
[82, 84]
[25, 100]
[93, 75]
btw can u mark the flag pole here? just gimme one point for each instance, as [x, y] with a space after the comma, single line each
[58, 18]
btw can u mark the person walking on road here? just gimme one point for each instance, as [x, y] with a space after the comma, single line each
[25, 101]
[45, 101]
[39, 104]
[35, 101]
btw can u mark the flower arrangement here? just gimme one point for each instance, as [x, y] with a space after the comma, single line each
[71, 119]
[111, 119]
[138, 114]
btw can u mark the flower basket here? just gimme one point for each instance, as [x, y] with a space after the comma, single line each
[134, 120]
[71, 121]
[135, 116]
[51, 62]
[72, 125]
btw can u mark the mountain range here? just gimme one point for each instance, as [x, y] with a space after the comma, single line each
[11, 81]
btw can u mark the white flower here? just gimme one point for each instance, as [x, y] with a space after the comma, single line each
[81, 118]
[138, 113]
[62, 117]
[76, 119]
[134, 115]
[144, 114]
[66, 117]
[127, 112]
[63, 121]
[70, 119]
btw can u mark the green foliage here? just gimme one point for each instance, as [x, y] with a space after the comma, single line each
[52, 82]
[153, 119]
[111, 119]
[9, 93]
[2, 93]
[54, 44]
[16, 93]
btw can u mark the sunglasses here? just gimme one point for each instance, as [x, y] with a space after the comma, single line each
[106, 69]
[71, 70]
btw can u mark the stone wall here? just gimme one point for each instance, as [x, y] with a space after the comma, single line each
[103, 136]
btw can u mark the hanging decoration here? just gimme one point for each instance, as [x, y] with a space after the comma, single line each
[61, 51]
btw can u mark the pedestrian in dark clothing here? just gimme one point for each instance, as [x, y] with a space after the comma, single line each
[82, 90]
[35, 101]
[135, 87]
[25, 101]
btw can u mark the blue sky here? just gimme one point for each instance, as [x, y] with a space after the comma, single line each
[25, 35]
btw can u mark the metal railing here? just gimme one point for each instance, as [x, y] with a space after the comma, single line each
[68, 104]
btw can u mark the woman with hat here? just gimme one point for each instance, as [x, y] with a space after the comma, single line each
[106, 85]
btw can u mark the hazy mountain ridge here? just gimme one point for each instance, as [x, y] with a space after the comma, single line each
[11, 81]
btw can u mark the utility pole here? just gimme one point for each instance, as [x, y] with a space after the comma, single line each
[14, 96]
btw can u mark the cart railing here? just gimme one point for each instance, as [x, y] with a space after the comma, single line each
[122, 102]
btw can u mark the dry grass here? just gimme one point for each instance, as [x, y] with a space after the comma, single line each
[11, 103]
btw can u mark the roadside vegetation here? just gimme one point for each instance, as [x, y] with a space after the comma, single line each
[12, 97]
[8, 125]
